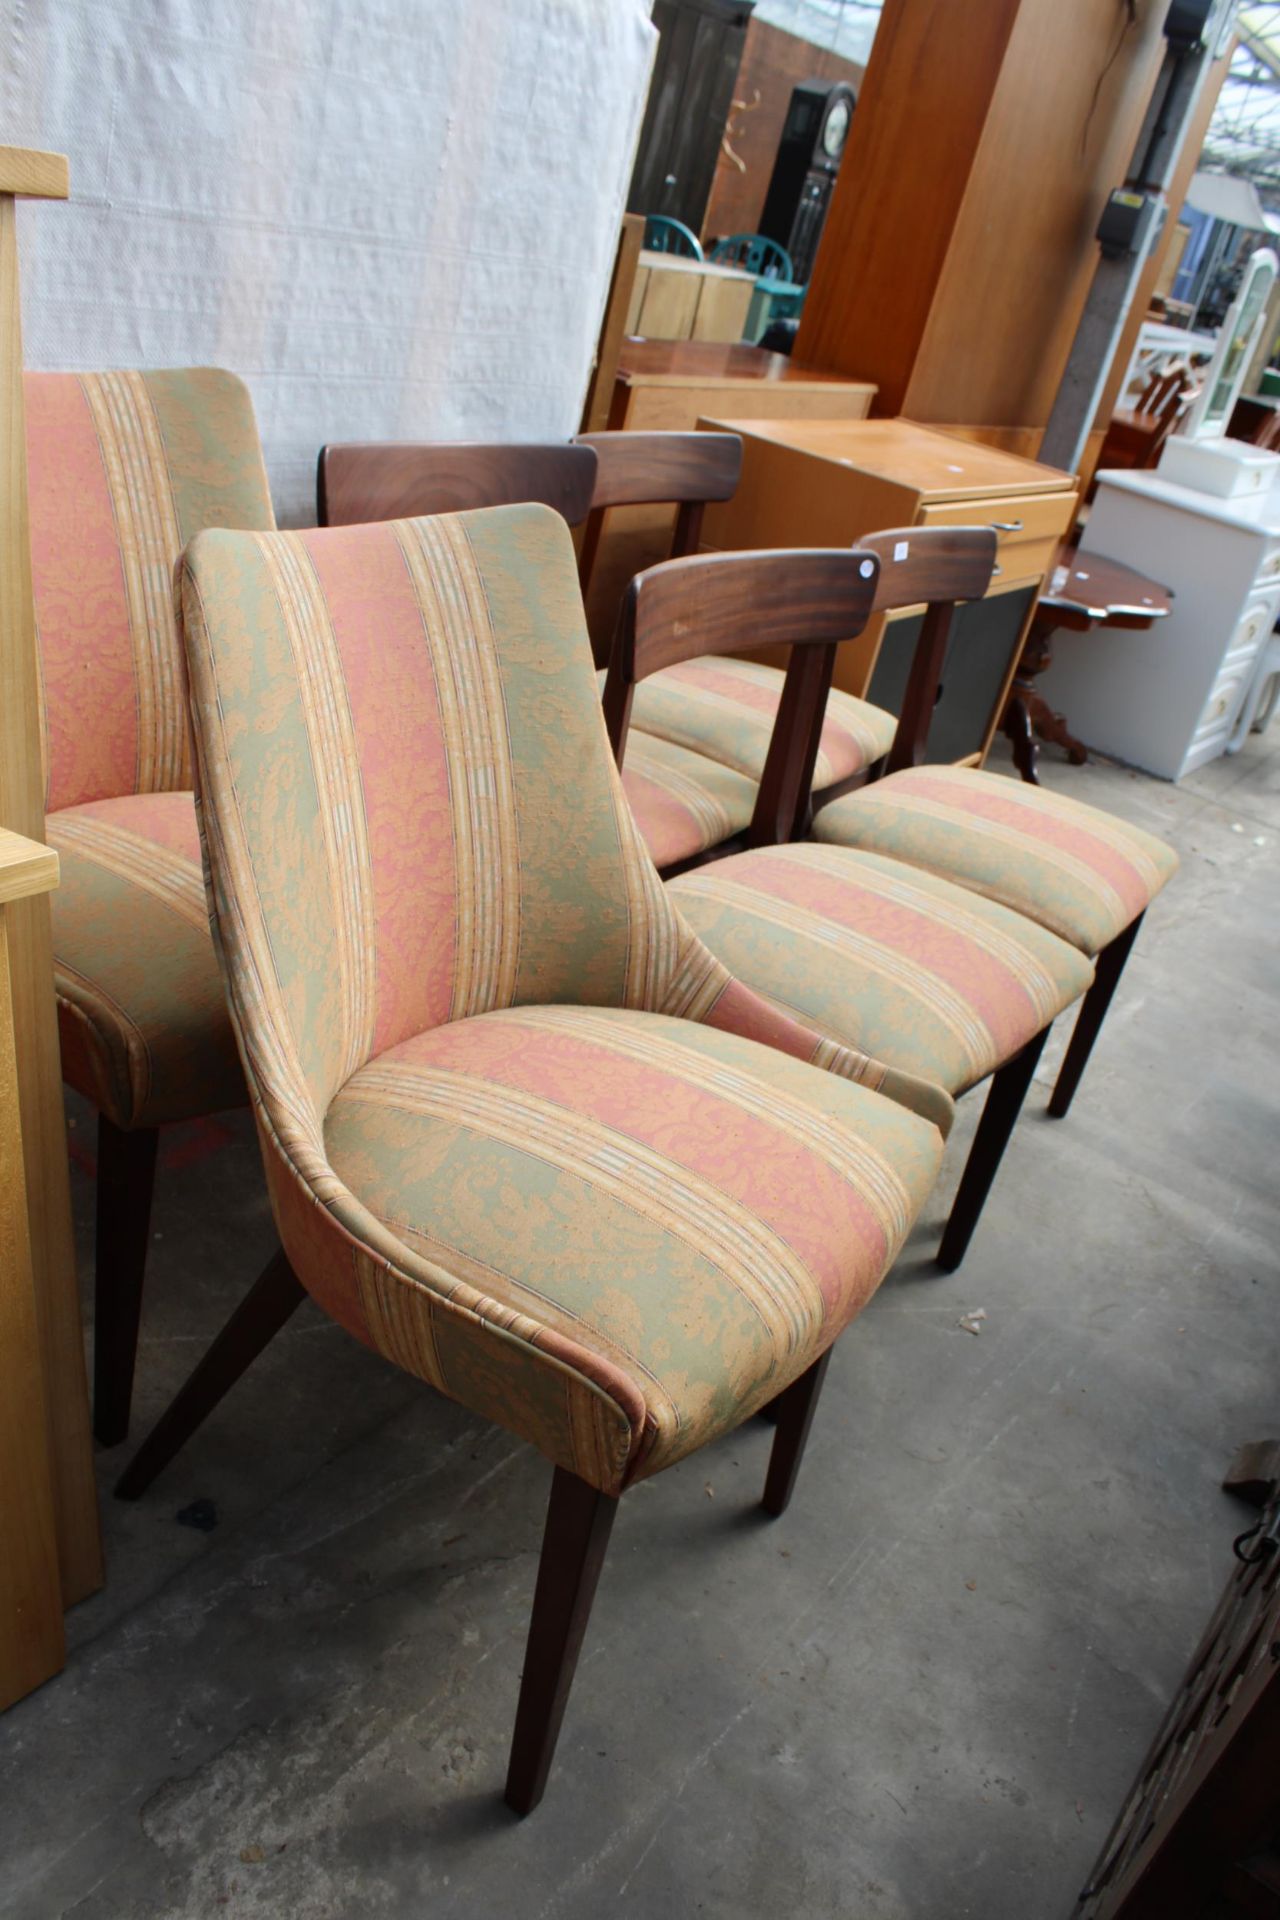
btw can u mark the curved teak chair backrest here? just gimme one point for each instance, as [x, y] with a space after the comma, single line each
[716, 603]
[686, 470]
[646, 469]
[367, 481]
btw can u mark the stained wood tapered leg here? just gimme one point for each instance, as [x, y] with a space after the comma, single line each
[254, 1324]
[1108, 967]
[579, 1522]
[795, 1409]
[1004, 1103]
[126, 1176]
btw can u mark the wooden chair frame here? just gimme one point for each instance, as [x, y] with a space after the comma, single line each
[726, 603]
[688, 470]
[360, 481]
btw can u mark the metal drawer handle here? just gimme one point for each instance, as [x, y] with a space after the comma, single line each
[1005, 526]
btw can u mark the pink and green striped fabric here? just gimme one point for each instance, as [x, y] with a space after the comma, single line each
[884, 957]
[725, 709]
[683, 803]
[524, 1134]
[141, 1008]
[123, 469]
[1083, 874]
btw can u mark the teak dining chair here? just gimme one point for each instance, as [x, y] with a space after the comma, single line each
[123, 468]
[927, 978]
[523, 1134]
[1084, 875]
[685, 802]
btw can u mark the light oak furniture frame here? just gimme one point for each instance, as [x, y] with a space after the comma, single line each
[30, 954]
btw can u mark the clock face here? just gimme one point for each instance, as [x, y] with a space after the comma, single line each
[835, 130]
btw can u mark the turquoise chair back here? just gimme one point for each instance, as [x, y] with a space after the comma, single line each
[756, 253]
[664, 235]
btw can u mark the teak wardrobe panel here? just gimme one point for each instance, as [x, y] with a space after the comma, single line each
[960, 247]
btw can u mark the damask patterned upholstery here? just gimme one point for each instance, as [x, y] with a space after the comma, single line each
[520, 1132]
[683, 802]
[123, 469]
[725, 708]
[883, 956]
[143, 1017]
[1082, 873]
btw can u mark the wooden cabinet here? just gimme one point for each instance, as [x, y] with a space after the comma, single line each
[677, 299]
[1167, 700]
[818, 483]
[665, 386]
[960, 246]
[699, 50]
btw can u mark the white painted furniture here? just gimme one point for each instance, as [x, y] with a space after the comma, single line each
[1167, 700]
[1260, 701]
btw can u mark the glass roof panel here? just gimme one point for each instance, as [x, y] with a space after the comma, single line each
[1244, 134]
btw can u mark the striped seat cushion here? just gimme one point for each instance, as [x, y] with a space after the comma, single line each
[683, 803]
[141, 1009]
[883, 957]
[1082, 873]
[686, 1214]
[725, 708]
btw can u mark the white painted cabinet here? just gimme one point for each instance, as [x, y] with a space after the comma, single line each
[1166, 699]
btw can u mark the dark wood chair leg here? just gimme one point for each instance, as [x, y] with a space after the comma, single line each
[1004, 1103]
[256, 1321]
[1107, 970]
[126, 1176]
[795, 1409]
[579, 1522]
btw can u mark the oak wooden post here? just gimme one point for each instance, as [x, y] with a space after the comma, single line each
[39, 1075]
[32, 1646]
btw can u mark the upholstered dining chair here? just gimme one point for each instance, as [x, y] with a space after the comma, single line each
[687, 801]
[873, 953]
[523, 1134]
[123, 469]
[1086, 876]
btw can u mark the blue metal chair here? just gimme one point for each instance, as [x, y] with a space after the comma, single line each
[664, 235]
[755, 253]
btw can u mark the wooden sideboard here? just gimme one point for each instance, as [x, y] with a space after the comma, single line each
[818, 483]
[665, 386]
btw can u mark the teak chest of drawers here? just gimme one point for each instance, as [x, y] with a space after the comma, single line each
[820, 483]
[663, 386]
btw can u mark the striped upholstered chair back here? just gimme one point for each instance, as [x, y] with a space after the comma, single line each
[124, 468]
[411, 807]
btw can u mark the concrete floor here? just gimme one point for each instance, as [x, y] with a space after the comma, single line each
[921, 1694]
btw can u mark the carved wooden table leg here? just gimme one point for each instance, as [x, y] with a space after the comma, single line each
[1028, 717]
[1049, 725]
[1016, 725]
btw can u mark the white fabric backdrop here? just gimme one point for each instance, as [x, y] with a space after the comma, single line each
[394, 218]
